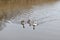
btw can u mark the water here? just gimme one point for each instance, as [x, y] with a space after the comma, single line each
[49, 30]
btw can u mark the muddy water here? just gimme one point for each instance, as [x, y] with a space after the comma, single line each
[49, 30]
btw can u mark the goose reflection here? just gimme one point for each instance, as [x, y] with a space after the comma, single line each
[32, 23]
[22, 23]
[9, 8]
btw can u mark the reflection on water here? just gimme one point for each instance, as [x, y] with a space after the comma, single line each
[31, 16]
[45, 19]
